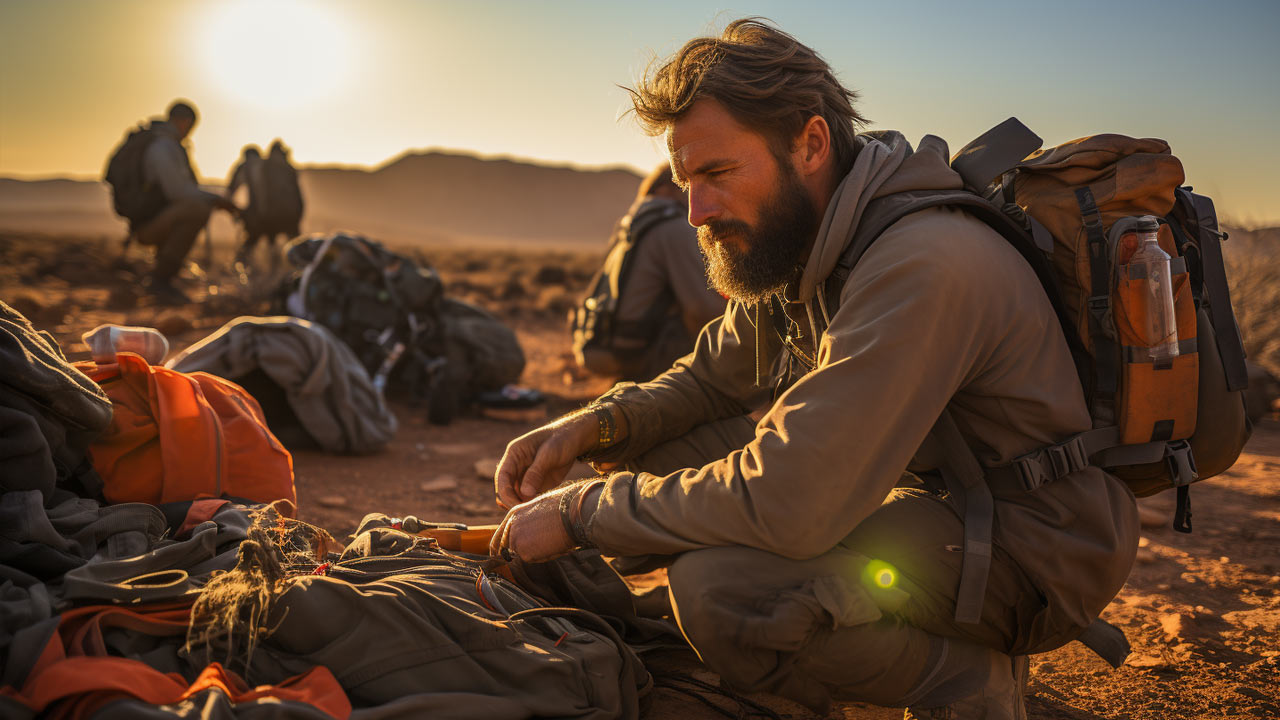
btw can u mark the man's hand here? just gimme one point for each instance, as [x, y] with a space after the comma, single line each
[533, 531]
[541, 458]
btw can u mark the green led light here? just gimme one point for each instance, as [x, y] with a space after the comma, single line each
[880, 574]
[885, 578]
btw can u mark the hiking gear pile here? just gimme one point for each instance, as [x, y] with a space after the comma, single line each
[394, 316]
[312, 389]
[221, 606]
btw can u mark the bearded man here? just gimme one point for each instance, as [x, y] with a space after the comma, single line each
[821, 552]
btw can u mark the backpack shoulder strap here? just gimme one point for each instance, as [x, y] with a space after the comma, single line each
[881, 213]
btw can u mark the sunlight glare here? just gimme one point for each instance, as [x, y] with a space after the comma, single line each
[276, 53]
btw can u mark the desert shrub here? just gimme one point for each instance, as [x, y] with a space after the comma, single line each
[1253, 273]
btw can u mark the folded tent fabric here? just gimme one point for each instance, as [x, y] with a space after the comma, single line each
[326, 387]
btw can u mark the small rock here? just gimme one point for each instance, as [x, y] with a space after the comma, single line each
[1046, 667]
[439, 484]
[1144, 541]
[1172, 624]
[486, 468]
[1145, 556]
[332, 501]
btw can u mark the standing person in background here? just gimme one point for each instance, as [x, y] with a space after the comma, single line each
[156, 190]
[249, 173]
[662, 297]
[284, 215]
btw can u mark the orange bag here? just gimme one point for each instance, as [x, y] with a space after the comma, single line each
[179, 436]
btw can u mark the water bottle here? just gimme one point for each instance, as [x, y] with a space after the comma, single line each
[1161, 324]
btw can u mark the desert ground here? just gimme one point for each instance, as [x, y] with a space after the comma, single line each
[1202, 611]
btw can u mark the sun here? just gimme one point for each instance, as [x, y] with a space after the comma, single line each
[275, 53]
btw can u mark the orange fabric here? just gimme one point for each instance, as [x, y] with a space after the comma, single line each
[179, 436]
[74, 676]
[201, 510]
[1150, 395]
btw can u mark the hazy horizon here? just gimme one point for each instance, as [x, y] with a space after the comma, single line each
[358, 85]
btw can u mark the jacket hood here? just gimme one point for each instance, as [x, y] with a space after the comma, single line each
[886, 164]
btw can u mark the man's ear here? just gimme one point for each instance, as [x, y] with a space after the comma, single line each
[812, 146]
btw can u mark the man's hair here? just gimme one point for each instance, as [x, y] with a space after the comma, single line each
[767, 80]
[659, 178]
[182, 110]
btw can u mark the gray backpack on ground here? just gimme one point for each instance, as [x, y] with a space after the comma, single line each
[392, 313]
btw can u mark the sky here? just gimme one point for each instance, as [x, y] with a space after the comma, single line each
[361, 82]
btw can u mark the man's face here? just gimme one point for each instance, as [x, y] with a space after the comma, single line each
[755, 218]
[183, 126]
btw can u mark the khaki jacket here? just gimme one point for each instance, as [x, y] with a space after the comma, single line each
[941, 310]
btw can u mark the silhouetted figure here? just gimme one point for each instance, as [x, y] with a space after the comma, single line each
[154, 187]
[250, 173]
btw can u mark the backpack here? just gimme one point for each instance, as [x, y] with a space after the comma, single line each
[393, 315]
[132, 196]
[593, 323]
[179, 436]
[1071, 212]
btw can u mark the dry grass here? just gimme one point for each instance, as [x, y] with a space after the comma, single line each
[1253, 272]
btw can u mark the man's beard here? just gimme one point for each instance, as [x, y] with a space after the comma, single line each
[750, 264]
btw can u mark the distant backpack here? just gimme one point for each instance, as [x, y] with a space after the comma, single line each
[132, 196]
[283, 212]
[1072, 212]
[393, 315]
[179, 436]
[593, 323]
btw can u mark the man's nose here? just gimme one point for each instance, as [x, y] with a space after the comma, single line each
[702, 206]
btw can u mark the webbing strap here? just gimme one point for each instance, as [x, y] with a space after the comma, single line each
[1230, 347]
[965, 481]
[1104, 348]
[1107, 640]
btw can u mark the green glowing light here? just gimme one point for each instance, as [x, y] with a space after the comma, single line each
[880, 574]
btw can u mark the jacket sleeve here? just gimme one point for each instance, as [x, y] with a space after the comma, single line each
[909, 331]
[167, 166]
[715, 381]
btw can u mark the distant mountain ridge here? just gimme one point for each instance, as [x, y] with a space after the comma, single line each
[435, 196]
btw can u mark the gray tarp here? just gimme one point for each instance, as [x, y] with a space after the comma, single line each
[327, 388]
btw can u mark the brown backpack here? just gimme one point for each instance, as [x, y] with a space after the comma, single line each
[1072, 211]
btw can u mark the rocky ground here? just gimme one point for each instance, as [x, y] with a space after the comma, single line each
[1202, 611]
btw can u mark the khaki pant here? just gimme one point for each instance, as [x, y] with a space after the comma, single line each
[173, 232]
[822, 627]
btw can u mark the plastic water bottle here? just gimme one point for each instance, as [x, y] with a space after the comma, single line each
[1161, 321]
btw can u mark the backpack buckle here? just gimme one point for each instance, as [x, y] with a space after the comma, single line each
[1099, 305]
[1181, 462]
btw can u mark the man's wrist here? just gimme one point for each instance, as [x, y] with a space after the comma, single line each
[608, 434]
[577, 510]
